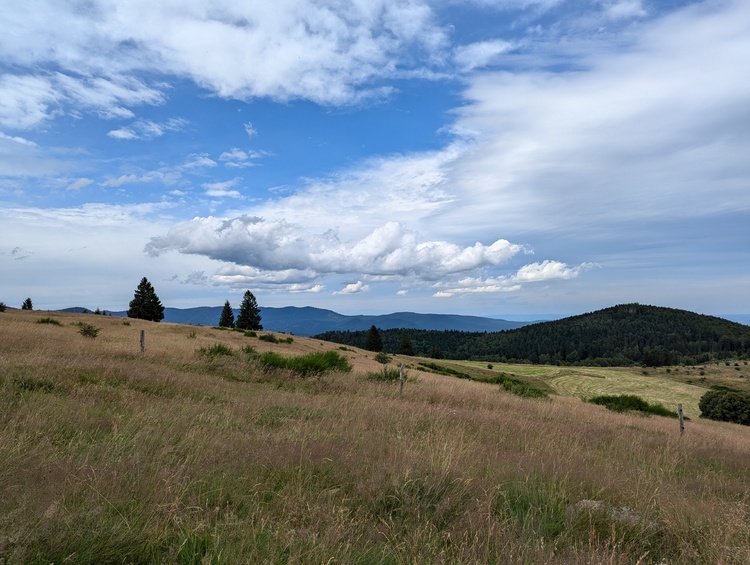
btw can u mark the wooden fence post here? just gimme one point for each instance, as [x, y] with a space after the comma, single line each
[401, 380]
[682, 420]
[143, 341]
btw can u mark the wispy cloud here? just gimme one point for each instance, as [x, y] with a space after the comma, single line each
[146, 129]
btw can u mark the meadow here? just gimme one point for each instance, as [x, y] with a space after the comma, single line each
[195, 451]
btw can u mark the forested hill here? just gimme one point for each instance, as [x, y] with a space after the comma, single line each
[626, 334]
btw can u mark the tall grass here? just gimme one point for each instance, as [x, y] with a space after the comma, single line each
[168, 456]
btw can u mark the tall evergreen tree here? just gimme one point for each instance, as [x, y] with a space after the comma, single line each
[27, 305]
[405, 347]
[373, 340]
[249, 316]
[146, 304]
[227, 316]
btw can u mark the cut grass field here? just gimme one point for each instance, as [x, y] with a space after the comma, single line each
[195, 452]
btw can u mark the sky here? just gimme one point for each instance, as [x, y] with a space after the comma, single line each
[501, 158]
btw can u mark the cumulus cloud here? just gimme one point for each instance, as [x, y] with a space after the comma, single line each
[354, 288]
[543, 271]
[278, 246]
[250, 129]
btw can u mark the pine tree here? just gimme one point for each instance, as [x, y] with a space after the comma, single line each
[27, 305]
[405, 348]
[373, 340]
[249, 317]
[145, 304]
[227, 316]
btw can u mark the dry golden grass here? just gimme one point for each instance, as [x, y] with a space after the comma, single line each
[110, 455]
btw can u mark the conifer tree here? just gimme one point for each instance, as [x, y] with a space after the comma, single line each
[27, 305]
[373, 340]
[227, 316]
[249, 316]
[405, 347]
[146, 304]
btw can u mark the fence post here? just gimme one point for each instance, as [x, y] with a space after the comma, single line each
[401, 380]
[143, 341]
[682, 420]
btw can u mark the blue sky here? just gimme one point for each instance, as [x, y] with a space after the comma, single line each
[484, 157]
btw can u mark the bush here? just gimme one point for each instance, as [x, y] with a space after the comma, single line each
[251, 333]
[51, 321]
[215, 350]
[87, 330]
[625, 402]
[270, 338]
[383, 358]
[386, 374]
[2, 306]
[306, 365]
[726, 406]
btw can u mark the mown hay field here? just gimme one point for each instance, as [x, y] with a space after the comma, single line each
[194, 452]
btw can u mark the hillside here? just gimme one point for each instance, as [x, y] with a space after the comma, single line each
[621, 335]
[195, 451]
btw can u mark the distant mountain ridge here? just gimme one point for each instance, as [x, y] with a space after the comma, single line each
[307, 321]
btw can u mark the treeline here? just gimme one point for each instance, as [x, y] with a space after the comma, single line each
[628, 334]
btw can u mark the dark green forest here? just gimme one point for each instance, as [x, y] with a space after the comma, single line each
[627, 334]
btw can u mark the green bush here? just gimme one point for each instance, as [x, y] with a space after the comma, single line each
[87, 330]
[306, 365]
[215, 350]
[51, 321]
[386, 374]
[270, 338]
[383, 358]
[726, 406]
[625, 402]
[2, 306]
[251, 333]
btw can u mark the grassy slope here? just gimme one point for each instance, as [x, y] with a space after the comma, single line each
[114, 456]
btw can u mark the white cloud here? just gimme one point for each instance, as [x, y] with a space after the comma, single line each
[199, 161]
[236, 158]
[126, 179]
[353, 288]
[549, 270]
[624, 9]
[221, 189]
[277, 246]
[323, 51]
[146, 129]
[480, 54]
[402, 292]
[657, 129]
[80, 183]
[26, 101]
[250, 129]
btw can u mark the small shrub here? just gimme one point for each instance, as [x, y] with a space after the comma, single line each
[489, 366]
[250, 351]
[191, 335]
[2, 306]
[270, 338]
[251, 333]
[625, 402]
[88, 330]
[51, 321]
[383, 358]
[126, 323]
[215, 350]
[288, 340]
[386, 374]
